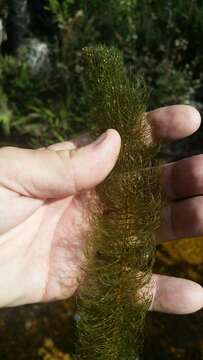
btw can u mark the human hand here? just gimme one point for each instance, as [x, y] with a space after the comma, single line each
[45, 196]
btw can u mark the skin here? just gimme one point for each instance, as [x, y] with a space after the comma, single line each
[45, 196]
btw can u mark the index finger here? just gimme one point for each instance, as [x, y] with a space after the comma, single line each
[174, 122]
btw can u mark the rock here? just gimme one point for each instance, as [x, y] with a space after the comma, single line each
[22, 42]
[3, 36]
[36, 55]
[1, 32]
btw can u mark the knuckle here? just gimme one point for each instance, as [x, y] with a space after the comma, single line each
[67, 168]
[194, 171]
[197, 217]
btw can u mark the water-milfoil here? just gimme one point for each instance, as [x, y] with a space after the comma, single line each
[114, 296]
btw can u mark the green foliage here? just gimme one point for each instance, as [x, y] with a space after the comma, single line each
[5, 113]
[163, 40]
[27, 107]
[112, 303]
[60, 11]
[174, 86]
[169, 42]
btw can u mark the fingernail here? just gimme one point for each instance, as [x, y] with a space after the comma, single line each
[100, 139]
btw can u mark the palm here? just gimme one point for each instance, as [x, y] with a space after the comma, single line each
[48, 238]
[44, 204]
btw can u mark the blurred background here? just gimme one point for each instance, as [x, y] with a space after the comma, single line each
[42, 102]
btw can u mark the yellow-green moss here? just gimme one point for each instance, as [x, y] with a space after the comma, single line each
[112, 306]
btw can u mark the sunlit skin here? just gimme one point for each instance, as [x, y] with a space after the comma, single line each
[45, 197]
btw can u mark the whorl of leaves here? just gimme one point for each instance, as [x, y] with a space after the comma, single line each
[119, 257]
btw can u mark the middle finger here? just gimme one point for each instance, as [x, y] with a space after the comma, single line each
[182, 219]
[183, 178]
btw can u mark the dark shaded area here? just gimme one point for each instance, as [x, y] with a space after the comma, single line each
[177, 334]
[26, 331]
[18, 23]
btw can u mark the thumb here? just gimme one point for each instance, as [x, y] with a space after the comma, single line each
[53, 174]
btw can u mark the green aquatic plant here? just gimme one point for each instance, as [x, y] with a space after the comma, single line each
[115, 295]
